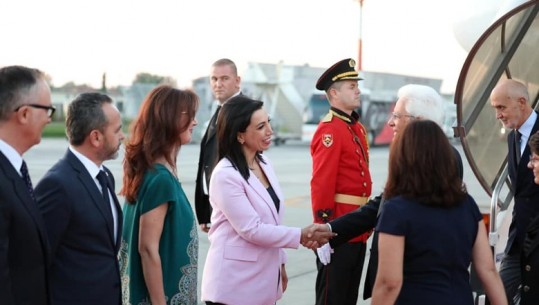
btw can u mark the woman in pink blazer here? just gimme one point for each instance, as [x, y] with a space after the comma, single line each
[246, 260]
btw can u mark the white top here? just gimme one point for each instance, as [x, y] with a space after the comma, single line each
[525, 131]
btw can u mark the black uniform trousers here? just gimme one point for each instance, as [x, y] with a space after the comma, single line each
[337, 283]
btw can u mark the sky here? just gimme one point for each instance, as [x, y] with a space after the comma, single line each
[79, 40]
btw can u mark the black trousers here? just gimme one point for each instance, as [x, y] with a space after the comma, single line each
[338, 282]
[510, 273]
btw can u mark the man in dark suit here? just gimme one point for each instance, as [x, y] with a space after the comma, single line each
[530, 247]
[225, 84]
[25, 109]
[82, 214]
[511, 102]
[415, 102]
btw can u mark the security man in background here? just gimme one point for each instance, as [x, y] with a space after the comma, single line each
[341, 181]
[225, 84]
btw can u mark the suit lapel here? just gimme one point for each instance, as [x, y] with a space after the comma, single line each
[206, 136]
[21, 191]
[522, 172]
[210, 132]
[263, 192]
[88, 182]
[274, 182]
[118, 210]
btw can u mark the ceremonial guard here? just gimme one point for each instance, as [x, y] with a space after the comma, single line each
[341, 181]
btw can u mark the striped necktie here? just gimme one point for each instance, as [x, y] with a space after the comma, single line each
[27, 180]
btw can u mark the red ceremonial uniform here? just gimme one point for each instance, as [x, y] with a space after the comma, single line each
[341, 181]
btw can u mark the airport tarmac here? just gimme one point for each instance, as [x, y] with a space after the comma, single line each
[292, 163]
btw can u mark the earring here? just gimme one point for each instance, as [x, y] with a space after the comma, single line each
[241, 141]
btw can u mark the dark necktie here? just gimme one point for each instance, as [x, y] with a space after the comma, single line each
[518, 136]
[27, 180]
[214, 118]
[102, 178]
[213, 123]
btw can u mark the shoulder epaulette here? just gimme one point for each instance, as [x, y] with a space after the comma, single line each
[327, 117]
[340, 116]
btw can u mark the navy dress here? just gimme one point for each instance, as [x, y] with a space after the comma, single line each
[437, 250]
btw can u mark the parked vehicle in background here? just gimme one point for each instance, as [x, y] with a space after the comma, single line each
[373, 115]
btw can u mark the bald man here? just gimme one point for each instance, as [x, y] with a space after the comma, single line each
[511, 102]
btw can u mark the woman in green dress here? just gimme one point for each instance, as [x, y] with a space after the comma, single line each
[159, 251]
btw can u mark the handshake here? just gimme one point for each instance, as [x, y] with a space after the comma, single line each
[316, 237]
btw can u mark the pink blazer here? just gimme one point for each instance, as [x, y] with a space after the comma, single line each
[246, 239]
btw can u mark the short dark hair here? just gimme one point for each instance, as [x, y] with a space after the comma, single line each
[422, 166]
[15, 83]
[84, 114]
[226, 62]
[233, 118]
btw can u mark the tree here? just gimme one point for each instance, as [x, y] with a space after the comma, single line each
[147, 78]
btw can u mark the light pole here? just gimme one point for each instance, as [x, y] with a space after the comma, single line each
[360, 43]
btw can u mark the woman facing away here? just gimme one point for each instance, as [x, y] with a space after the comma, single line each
[430, 228]
[159, 253]
[245, 263]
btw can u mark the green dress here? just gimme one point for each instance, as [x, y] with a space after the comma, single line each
[178, 246]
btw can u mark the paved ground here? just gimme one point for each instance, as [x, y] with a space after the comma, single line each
[292, 163]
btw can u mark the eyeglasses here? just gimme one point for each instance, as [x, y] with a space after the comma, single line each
[396, 115]
[533, 159]
[50, 109]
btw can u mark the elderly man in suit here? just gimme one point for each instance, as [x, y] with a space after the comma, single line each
[510, 100]
[81, 211]
[415, 102]
[25, 109]
[225, 84]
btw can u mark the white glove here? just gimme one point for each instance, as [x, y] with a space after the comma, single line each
[324, 254]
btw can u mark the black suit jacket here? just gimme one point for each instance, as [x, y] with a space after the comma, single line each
[530, 263]
[526, 192]
[364, 219]
[24, 250]
[84, 265]
[206, 162]
[356, 223]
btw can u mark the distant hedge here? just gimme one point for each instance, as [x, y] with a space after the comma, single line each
[55, 130]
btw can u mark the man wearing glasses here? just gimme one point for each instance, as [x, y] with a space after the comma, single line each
[415, 102]
[50, 109]
[25, 109]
